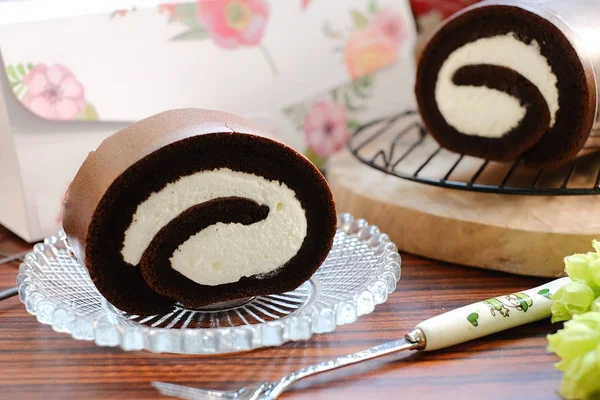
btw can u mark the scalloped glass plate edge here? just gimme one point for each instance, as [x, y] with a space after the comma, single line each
[95, 319]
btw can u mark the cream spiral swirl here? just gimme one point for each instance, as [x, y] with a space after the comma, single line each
[488, 111]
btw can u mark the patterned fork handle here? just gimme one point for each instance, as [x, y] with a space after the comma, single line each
[453, 327]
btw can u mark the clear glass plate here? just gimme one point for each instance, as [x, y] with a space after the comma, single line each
[362, 268]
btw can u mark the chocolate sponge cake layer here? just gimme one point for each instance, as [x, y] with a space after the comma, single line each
[549, 105]
[157, 271]
[516, 141]
[124, 183]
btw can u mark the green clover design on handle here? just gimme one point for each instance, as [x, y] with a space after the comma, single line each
[472, 318]
[503, 305]
[546, 293]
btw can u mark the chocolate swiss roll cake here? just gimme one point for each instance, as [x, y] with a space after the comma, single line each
[196, 207]
[508, 79]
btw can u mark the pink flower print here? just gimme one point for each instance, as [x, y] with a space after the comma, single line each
[369, 50]
[326, 127]
[390, 23]
[234, 23]
[167, 7]
[53, 92]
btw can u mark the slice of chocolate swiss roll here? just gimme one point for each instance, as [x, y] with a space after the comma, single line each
[508, 79]
[197, 207]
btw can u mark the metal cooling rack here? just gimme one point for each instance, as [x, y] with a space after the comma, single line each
[401, 146]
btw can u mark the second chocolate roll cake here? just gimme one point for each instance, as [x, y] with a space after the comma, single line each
[197, 207]
[505, 79]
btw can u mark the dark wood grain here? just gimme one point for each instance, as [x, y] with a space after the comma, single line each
[38, 363]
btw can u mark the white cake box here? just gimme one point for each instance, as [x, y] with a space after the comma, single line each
[71, 81]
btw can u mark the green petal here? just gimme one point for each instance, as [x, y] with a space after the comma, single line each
[19, 90]
[581, 378]
[576, 267]
[580, 335]
[353, 124]
[596, 245]
[186, 13]
[89, 114]
[373, 7]
[595, 305]
[574, 298]
[12, 74]
[21, 69]
[316, 159]
[360, 21]
[191, 35]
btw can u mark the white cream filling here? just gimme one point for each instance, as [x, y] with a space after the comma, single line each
[486, 112]
[222, 253]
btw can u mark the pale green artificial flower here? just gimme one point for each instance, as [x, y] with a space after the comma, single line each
[578, 346]
[595, 272]
[595, 305]
[586, 268]
[577, 267]
[578, 343]
[595, 265]
[581, 380]
[574, 298]
[596, 245]
[579, 336]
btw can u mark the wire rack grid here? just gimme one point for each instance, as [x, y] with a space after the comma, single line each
[400, 145]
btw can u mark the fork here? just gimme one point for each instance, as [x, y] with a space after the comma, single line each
[271, 390]
[453, 327]
[7, 294]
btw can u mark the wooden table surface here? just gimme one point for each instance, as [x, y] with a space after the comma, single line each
[37, 362]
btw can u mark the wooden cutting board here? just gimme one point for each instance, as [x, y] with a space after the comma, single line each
[527, 235]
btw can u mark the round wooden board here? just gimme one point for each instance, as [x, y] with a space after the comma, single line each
[527, 235]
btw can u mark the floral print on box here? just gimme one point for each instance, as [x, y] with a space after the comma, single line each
[376, 39]
[50, 91]
[390, 24]
[326, 127]
[328, 121]
[368, 50]
[230, 24]
[234, 23]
